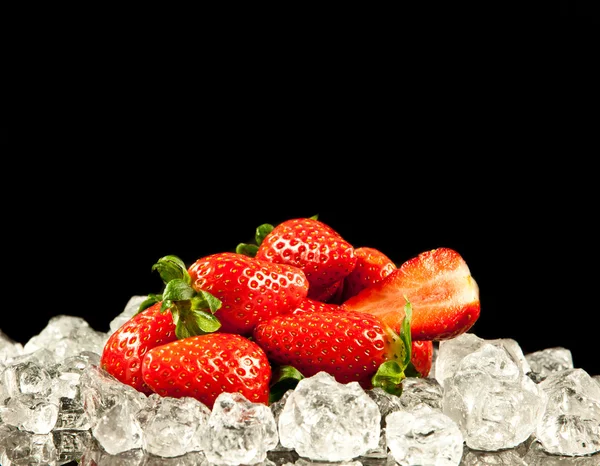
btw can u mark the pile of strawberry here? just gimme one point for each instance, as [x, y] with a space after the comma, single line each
[299, 301]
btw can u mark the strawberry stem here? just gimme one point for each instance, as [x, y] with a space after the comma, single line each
[249, 249]
[390, 374]
[170, 268]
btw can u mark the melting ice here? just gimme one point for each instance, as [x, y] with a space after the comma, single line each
[484, 403]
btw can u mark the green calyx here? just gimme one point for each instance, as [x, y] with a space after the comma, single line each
[284, 378]
[390, 374]
[193, 311]
[249, 249]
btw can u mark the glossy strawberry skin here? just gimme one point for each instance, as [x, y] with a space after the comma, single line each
[123, 352]
[421, 351]
[438, 283]
[250, 289]
[348, 345]
[204, 366]
[372, 266]
[313, 305]
[422, 356]
[313, 246]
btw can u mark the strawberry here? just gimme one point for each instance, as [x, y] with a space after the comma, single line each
[313, 305]
[328, 293]
[372, 266]
[123, 352]
[351, 346]
[176, 313]
[422, 357]
[250, 289]
[438, 284]
[313, 246]
[421, 351]
[203, 366]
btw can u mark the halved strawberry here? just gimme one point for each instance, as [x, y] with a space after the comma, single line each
[439, 285]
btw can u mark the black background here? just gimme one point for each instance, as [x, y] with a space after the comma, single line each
[482, 140]
[527, 235]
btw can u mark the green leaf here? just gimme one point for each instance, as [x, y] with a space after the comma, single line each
[284, 378]
[203, 300]
[195, 322]
[389, 377]
[178, 290]
[390, 374]
[171, 268]
[405, 334]
[262, 231]
[411, 371]
[315, 217]
[149, 301]
[247, 249]
[167, 305]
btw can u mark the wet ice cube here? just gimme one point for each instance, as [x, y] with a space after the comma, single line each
[537, 456]
[70, 444]
[239, 431]
[131, 308]
[26, 378]
[25, 448]
[571, 421]
[387, 403]
[495, 458]
[118, 430]
[276, 408]
[494, 403]
[194, 458]
[94, 455]
[418, 390]
[423, 436]
[549, 360]
[57, 328]
[100, 391]
[30, 413]
[452, 351]
[67, 373]
[111, 407]
[329, 421]
[172, 426]
[66, 336]
[71, 416]
[8, 348]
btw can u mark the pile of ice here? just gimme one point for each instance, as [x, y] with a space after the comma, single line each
[485, 402]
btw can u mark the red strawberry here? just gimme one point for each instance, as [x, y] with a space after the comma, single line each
[327, 293]
[250, 289]
[204, 366]
[372, 266]
[349, 345]
[123, 352]
[313, 305]
[422, 356]
[313, 246]
[421, 351]
[438, 284]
